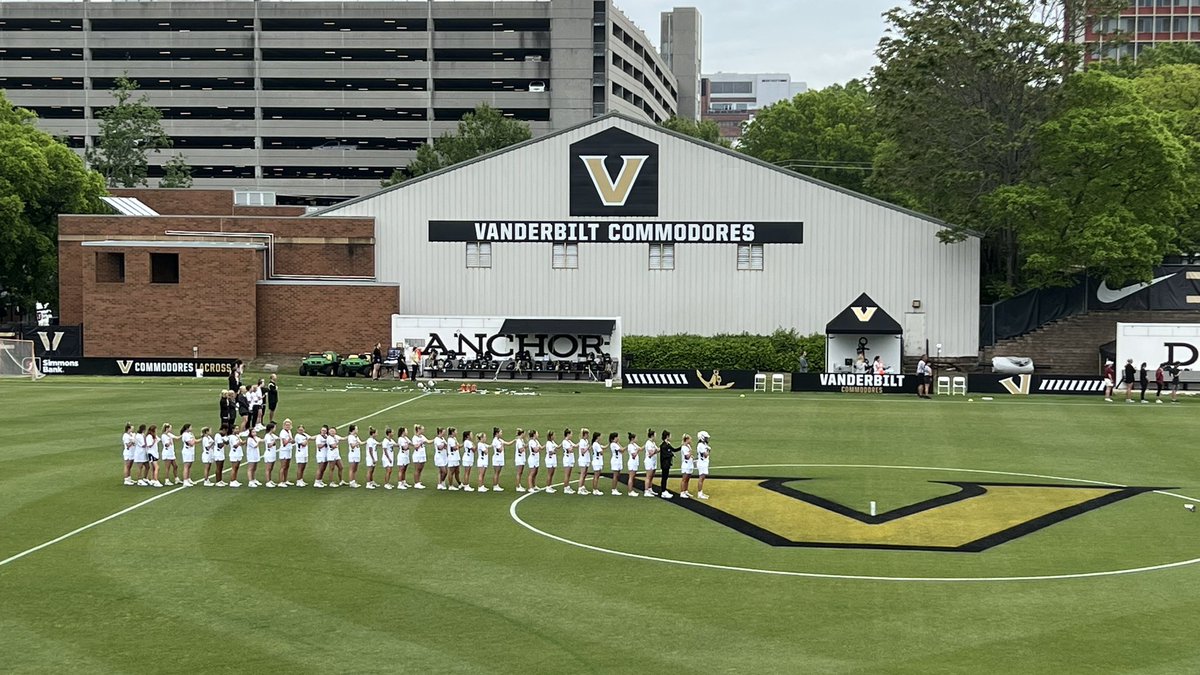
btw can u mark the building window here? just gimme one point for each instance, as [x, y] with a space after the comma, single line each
[750, 257]
[164, 268]
[479, 254]
[662, 256]
[110, 268]
[565, 257]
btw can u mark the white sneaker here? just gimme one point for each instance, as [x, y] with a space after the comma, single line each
[129, 481]
[481, 488]
[287, 483]
[1145, 401]
[667, 495]
[253, 484]
[535, 489]
[1108, 399]
[520, 489]
[142, 482]
[632, 493]
[1158, 401]
[188, 483]
[271, 483]
[354, 484]
[649, 493]
[402, 486]
[155, 483]
[370, 486]
[702, 495]
[332, 485]
[454, 488]
[550, 490]
[597, 492]
[301, 483]
[220, 483]
[497, 488]
[685, 495]
[343, 483]
[568, 490]
[234, 483]
[583, 492]
[282, 485]
[419, 486]
[388, 486]
[441, 487]
[319, 484]
[615, 493]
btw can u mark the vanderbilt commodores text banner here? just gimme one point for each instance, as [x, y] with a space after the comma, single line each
[616, 233]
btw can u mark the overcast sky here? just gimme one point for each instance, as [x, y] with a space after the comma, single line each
[820, 42]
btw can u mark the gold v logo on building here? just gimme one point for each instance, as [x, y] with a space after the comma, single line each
[125, 365]
[614, 192]
[975, 518]
[864, 314]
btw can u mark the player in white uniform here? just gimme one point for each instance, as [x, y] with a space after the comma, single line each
[333, 457]
[418, 454]
[615, 463]
[703, 450]
[301, 439]
[482, 452]
[687, 465]
[353, 454]
[650, 450]
[387, 456]
[127, 453]
[439, 456]
[287, 448]
[372, 457]
[453, 461]
[551, 461]
[519, 458]
[187, 442]
[584, 460]
[218, 456]
[498, 444]
[235, 457]
[322, 443]
[403, 451]
[631, 452]
[568, 461]
[271, 453]
[151, 441]
[597, 463]
[534, 459]
[206, 455]
[468, 458]
[171, 468]
[139, 456]
[253, 455]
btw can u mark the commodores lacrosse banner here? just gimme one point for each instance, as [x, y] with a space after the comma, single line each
[1032, 383]
[690, 379]
[521, 232]
[138, 367]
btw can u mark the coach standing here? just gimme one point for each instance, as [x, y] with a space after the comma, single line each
[376, 360]
[666, 453]
[273, 395]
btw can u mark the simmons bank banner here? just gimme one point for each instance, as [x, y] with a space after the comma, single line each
[138, 367]
[499, 338]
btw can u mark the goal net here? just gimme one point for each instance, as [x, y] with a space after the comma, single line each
[17, 359]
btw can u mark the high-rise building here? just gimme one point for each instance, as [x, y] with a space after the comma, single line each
[318, 101]
[679, 39]
[731, 99]
[1140, 26]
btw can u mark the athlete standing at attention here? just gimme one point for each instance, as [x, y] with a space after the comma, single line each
[453, 460]
[287, 448]
[334, 454]
[650, 449]
[139, 455]
[235, 457]
[322, 444]
[403, 453]
[615, 460]
[632, 451]
[551, 461]
[498, 444]
[418, 454]
[468, 459]
[168, 455]
[253, 455]
[151, 441]
[439, 456]
[1110, 380]
[584, 460]
[372, 455]
[702, 454]
[218, 456]
[597, 463]
[353, 454]
[127, 453]
[519, 459]
[686, 466]
[1129, 375]
[568, 461]
[534, 459]
[301, 439]
[188, 442]
[270, 452]
[388, 458]
[206, 455]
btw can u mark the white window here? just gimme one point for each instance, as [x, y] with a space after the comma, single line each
[750, 257]
[565, 257]
[662, 256]
[479, 254]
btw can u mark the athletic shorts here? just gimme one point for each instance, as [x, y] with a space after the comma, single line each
[371, 459]
[253, 455]
[169, 454]
[271, 456]
[285, 452]
[189, 455]
[402, 458]
[354, 456]
[218, 455]
[322, 455]
[468, 459]
[454, 460]
[652, 463]
[597, 464]
[702, 467]
[551, 462]
[482, 460]
[151, 457]
[614, 463]
[334, 455]
[419, 457]
[632, 464]
[387, 460]
[534, 461]
[141, 456]
[235, 455]
[127, 455]
[205, 457]
[301, 456]
[687, 467]
[519, 460]
[569, 460]
[1108, 382]
[585, 460]
[439, 459]
[498, 460]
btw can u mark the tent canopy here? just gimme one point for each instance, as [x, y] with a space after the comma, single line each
[863, 317]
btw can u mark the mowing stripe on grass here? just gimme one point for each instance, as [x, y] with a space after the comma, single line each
[160, 495]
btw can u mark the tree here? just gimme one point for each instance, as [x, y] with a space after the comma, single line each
[128, 131]
[1174, 91]
[961, 89]
[830, 134]
[1111, 185]
[40, 177]
[481, 131]
[705, 130]
[176, 173]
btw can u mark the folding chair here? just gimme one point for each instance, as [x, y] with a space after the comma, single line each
[777, 382]
[958, 385]
[760, 382]
[943, 386]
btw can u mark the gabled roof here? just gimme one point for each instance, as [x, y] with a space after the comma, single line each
[864, 316]
[643, 123]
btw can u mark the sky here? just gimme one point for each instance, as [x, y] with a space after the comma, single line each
[820, 42]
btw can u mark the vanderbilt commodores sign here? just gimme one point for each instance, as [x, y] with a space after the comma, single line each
[614, 173]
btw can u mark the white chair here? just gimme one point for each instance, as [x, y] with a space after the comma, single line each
[943, 386]
[958, 385]
[760, 382]
[777, 382]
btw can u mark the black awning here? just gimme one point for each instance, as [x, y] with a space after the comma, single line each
[558, 327]
[863, 317]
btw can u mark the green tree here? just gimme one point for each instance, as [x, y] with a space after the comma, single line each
[40, 177]
[961, 89]
[705, 130]
[1174, 91]
[176, 173]
[830, 134]
[1109, 190]
[129, 130]
[481, 131]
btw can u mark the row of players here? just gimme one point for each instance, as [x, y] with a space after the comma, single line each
[149, 454]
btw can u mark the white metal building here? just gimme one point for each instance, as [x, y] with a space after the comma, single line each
[617, 217]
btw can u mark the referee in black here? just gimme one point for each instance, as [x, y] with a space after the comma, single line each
[666, 453]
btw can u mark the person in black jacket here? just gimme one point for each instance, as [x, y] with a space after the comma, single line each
[243, 407]
[272, 395]
[666, 453]
[235, 376]
[228, 408]
[376, 361]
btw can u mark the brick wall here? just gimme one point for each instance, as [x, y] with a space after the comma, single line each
[152, 226]
[355, 260]
[70, 283]
[212, 307]
[357, 316]
[182, 201]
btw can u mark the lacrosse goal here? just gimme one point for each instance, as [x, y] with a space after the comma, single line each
[17, 359]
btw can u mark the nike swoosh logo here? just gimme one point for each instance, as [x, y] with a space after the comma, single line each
[1107, 295]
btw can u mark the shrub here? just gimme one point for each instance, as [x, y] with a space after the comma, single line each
[779, 351]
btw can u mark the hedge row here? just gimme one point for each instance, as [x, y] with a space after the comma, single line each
[779, 351]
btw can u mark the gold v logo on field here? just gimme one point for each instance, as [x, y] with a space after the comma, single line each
[713, 382]
[125, 365]
[50, 341]
[614, 192]
[864, 314]
[975, 518]
[1017, 386]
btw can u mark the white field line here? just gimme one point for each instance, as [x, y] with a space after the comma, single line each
[160, 495]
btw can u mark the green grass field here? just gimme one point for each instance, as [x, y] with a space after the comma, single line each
[305, 580]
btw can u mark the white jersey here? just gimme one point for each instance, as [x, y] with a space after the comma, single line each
[389, 451]
[332, 452]
[519, 451]
[270, 447]
[188, 440]
[151, 445]
[301, 447]
[286, 446]
[585, 452]
[597, 456]
[127, 446]
[497, 452]
[206, 449]
[650, 450]
[702, 454]
[168, 445]
[354, 446]
[468, 451]
[418, 448]
[688, 460]
[253, 453]
[568, 452]
[372, 450]
[631, 451]
[534, 459]
[403, 446]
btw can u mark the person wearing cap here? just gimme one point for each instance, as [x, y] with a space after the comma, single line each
[702, 454]
[1109, 380]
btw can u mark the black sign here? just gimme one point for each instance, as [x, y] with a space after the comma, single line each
[855, 383]
[614, 173]
[540, 347]
[137, 367]
[525, 232]
[712, 379]
[1032, 383]
[56, 342]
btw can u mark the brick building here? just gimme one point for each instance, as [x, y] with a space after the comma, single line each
[231, 281]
